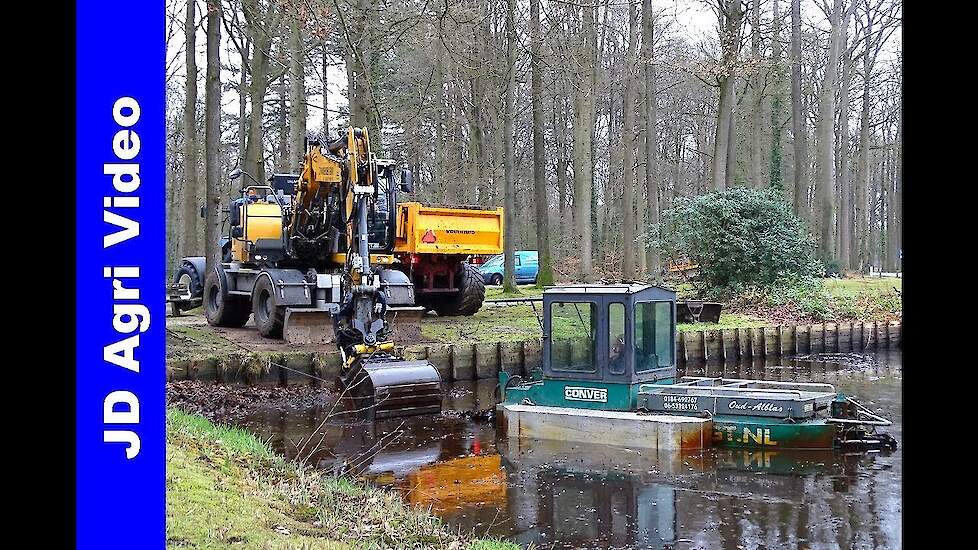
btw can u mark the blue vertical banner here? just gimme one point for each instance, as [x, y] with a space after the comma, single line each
[120, 274]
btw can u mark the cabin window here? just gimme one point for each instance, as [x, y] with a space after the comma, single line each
[572, 336]
[653, 335]
[616, 338]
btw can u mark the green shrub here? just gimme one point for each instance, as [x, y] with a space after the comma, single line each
[741, 238]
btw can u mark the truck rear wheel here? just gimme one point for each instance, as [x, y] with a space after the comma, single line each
[269, 316]
[223, 309]
[468, 300]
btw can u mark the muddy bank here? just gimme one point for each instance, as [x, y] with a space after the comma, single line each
[231, 403]
[228, 403]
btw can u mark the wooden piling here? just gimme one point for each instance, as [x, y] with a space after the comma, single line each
[487, 360]
[693, 345]
[756, 340]
[845, 337]
[896, 335]
[511, 357]
[787, 340]
[532, 355]
[463, 361]
[440, 356]
[831, 335]
[729, 341]
[771, 341]
[714, 345]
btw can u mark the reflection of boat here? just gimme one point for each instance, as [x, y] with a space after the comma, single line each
[606, 496]
[579, 492]
[609, 374]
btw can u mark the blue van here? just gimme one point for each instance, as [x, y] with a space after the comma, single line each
[527, 266]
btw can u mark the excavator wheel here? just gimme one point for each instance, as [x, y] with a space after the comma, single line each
[472, 291]
[269, 316]
[223, 309]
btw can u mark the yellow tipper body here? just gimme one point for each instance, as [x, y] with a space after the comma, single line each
[432, 230]
[260, 221]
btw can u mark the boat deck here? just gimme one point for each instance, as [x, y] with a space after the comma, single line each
[738, 396]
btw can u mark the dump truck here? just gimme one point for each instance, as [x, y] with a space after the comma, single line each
[432, 245]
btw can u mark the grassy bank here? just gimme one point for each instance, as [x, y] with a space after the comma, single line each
[225, 487]
[517, 323]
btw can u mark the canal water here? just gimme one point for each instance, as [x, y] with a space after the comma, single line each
[568, 495]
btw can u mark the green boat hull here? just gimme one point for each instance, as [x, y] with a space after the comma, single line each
[575, 394]
[729, 431]
[761, 433]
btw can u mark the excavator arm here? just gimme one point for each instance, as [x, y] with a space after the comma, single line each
[345, 172]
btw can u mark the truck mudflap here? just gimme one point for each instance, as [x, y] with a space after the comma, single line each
[387, 386]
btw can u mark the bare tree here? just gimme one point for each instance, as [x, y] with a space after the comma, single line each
[628, 146]
[545, 275]
[756, 97]
[651, 134]
[263, 19]
[825, 135]
[212, 133]
[731, 15]
[583, 142]
[799, 127]
[190, 233]
[509, 245]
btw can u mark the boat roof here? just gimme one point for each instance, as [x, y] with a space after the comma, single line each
[622, 288]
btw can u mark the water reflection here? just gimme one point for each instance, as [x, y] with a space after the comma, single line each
[594, 496]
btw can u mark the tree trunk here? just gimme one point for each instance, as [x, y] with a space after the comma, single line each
[212, 133]
[732, 142]
[628, 147]
[776, 180]
[799, 128]
[297, 99]
[757, 99]
[731, 14]
[545, 276]
[260, 32]
[863, 171]
[191, 226]
[325, 124]
[651, 135]
[560, 134]
[583, 128]
[282, 162]
[509, 247]
[845, 221]
[825, 141]
[243, 105]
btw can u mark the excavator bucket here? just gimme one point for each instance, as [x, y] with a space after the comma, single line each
[389, 387]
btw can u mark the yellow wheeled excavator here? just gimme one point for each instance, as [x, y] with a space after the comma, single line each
[328, 247]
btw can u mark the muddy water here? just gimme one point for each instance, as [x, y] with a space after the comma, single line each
[591, 496]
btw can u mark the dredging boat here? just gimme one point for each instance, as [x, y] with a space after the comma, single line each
[609, 376]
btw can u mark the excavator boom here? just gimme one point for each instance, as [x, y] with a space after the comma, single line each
[378, 381]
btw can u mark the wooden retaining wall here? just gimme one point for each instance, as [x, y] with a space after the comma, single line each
[485, 360]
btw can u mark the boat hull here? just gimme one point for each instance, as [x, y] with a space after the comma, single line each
[762, 433]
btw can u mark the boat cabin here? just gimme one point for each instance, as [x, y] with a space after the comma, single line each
[600, 342]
